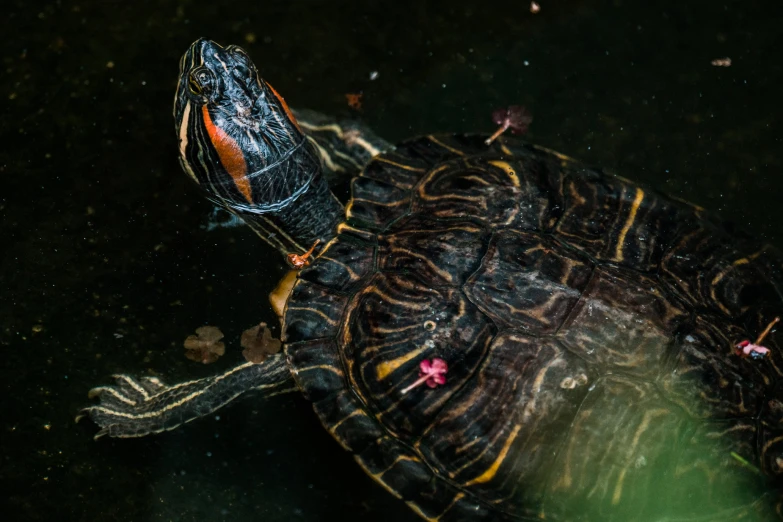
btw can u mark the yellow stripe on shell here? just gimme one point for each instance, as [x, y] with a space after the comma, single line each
[386, 368]
[506, 166]
[493, 469]
[628, 224]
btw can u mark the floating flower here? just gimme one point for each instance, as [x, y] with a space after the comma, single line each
[755, 350]
[258, 343]
[433, 373]
[515, 118]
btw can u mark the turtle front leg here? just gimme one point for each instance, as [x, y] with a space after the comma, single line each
[134, 408]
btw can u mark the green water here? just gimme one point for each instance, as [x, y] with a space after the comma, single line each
[105, 264]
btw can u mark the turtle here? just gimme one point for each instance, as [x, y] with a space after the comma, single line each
[496, 332]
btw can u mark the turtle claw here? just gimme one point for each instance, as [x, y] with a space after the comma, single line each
[126, 409]
[87, 413]
[152, 384]
[95, 392]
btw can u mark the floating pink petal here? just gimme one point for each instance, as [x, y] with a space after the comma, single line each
[436, 380]
[748, 349]
[430, 372]
[515, 118]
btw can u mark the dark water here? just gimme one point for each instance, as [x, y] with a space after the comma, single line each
[106, 265]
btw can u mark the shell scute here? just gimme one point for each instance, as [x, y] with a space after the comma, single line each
[528, 281]
[396, 467]
[709, 268]
[393, 324]
[441, 252]
[612, 219]
[437, 149]
[405, 475]
[402, 171]
[317, 369]
[376, 204]
[500, 449]
[345, 418]
[623, 321]
[341, 265]
[517, 192]
[313, 312]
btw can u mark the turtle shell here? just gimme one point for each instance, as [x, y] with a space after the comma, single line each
[588, 324]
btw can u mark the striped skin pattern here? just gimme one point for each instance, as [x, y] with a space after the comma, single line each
[330, 138]
[588, 325]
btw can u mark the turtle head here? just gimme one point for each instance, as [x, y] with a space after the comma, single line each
[240, 142]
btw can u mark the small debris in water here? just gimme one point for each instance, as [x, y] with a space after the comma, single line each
[721, 62]
[534, 8]
[354, 100]
[298, 261]
[745, 463]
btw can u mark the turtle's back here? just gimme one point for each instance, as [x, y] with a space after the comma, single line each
[588, 325]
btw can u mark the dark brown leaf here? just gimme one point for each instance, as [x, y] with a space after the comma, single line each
[258, 343]
[204, 347]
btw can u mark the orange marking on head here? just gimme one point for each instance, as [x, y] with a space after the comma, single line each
[230, 155]
[285, 107]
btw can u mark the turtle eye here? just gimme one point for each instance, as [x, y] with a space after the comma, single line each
[193, 85]
[200, 81]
